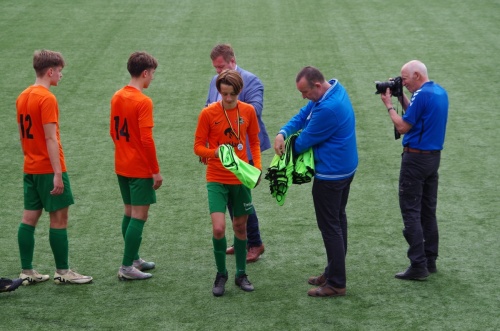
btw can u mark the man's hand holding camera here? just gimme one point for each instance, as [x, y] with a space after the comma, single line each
[387, 99]
[394, 87]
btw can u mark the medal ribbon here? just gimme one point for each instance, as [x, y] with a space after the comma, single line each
[237, 120]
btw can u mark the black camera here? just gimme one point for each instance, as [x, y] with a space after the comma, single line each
[394, 84]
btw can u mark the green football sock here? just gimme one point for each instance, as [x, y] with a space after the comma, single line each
[220, 246]
[26, 242]
[240, 254]
[133, 239]
[58, 239]
[125, 223]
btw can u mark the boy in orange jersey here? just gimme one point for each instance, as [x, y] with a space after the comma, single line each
[46, 183]
[228, 121]
[136, 165]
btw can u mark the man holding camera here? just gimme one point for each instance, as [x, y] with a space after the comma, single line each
[424, 126]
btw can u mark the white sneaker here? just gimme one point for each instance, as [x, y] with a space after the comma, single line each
[142, 265]
[32, 277]
[132, 273]
[71, 277]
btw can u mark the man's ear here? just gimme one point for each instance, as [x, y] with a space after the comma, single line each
[233, 63]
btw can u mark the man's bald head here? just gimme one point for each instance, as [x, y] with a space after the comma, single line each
[414, 74]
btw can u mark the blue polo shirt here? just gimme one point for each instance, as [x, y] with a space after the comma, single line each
[428, 115]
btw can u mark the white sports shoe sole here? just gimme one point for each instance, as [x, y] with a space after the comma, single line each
[133, 274]
[33, 279]
[71, 278]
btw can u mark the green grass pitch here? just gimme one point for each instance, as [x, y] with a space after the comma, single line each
[354, 41]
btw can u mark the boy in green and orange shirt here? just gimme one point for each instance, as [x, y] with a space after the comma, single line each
[228, 121]
[46, 183]
[136, 164]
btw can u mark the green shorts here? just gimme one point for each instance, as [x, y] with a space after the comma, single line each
[37, 193]
[137, 191]
[238, 196]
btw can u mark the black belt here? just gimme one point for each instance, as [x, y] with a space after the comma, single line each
[419, 151]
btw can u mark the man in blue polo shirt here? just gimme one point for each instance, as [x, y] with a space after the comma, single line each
[424, 127]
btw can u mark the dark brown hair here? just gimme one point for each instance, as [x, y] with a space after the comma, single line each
[140, 61]
[311, 74]
[45, 59]
[231, 78]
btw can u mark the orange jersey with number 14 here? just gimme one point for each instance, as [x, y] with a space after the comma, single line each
[131, 128]
[37, 106]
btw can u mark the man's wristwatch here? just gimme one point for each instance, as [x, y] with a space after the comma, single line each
[389, 109]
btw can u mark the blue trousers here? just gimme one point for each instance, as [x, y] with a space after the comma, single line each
[330, 201]
[418, 189]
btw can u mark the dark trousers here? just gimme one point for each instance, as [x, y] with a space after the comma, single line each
[330, 200]
[253, 232]
[418, 189]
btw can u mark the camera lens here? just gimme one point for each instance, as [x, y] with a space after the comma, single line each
[381, 87]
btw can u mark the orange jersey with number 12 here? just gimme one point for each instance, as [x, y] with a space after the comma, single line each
[37, 106]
